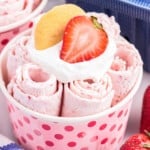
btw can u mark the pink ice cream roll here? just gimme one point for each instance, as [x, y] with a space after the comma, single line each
[16, 10]
[16, 16]
[18, 55]
[36, 89]
[86, 97]
[125, 69]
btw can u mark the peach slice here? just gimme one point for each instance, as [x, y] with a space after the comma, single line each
[50, 28]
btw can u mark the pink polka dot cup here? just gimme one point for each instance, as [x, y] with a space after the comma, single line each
[9, 30]
[36, 131]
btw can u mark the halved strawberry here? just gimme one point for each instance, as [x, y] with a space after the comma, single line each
[84, 38]
[138, 141]
[145, 115]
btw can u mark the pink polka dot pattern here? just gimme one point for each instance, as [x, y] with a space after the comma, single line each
[72, 144]
[103, 126]
[37, 132]
[46, 127]
[30, 137]
[5, 37]
[84, 135]
[111, 114]
[113, 141]
[92, 124]
[112, 127]
[81, 134]
[26, 120]
[84, 148]
[69, 128]
[120, 113]
[20, 123]
[39, 148]
[94, 138]
[59, 136]
[49, 143]
[23, 139]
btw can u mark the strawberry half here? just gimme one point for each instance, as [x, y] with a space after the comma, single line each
[145, 116]
[84, 38]
[137, 141]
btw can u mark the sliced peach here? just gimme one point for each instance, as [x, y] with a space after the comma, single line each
[50, 28]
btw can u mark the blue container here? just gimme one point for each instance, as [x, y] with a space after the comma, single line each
[133, 17]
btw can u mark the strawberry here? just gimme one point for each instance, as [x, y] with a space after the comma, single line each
[139, 141]
[84, 38]
[145, 116]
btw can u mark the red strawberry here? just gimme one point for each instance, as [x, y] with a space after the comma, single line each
[84, 39]
[137, 141]
[145, 116]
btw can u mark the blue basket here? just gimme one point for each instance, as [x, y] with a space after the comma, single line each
[133, 17]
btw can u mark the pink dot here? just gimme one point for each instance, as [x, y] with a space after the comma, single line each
[49, 143]
[119, 128]
[84, 148]
[94, 138]
[126, 112]
[26, 119]
[20, 122]
[103, 126]
[92, 124]
[15, 125]
[37, 132]
[23, 139]
[69, 128]
[30, 137]
[4, 41]
[119, 140]
[31, 24]
[59, 136]
[104, 140]
[113, 141]
[110, 115]
[72, 144]
[81, 134]
[9, 109]
[46, 127]
[34, 117]
[120, 114]
[12, 108]
[39, 148]
[18, 141]
[16, 31]
[112, 127]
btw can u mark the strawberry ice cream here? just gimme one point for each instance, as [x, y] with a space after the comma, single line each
[89, 70]
[18, 55]
[36, 89]
[14, 10]
[124, 69]
[87, 97]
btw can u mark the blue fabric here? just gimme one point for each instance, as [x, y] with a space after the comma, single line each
[11, 146]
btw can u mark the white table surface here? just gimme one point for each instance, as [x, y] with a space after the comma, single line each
[135, 114]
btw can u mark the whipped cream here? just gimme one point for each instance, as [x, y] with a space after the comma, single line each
[67, 72]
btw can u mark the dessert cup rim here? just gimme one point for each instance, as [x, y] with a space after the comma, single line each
[24, 20]
[47, 117]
